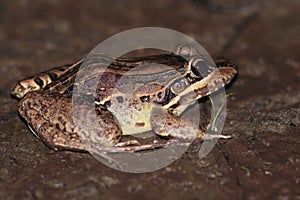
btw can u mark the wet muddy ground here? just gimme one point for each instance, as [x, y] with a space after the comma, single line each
[260, 162]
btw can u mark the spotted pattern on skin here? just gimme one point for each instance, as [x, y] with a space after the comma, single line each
[49, 112]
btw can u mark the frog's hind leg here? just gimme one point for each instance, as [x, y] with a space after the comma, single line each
[42, 80]
[47, 123]
[50, 117]
[143, 147]
[57, 140]
[130, 146]
[211, 136]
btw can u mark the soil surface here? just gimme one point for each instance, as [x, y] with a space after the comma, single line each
[263, 111]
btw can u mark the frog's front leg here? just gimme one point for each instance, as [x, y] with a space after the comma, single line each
[165, 124]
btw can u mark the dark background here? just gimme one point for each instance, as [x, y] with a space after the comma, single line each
[261, 162]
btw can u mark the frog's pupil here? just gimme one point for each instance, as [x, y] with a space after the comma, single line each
[200, 69]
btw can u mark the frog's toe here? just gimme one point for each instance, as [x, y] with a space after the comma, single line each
[208, 136]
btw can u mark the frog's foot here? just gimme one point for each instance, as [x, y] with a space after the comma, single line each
[210, 136]
[142, 147]
[124, 147]
[135, 146]
[127, 143]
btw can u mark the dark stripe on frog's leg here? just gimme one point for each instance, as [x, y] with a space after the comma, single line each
[41, 80]
[65, 81]
[53, 76]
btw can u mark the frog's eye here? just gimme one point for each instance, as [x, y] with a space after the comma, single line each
[178, 87]
[200, 68]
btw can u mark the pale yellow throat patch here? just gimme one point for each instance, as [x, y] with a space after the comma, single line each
[132, 114]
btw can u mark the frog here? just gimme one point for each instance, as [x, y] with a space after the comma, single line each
[161, 91]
